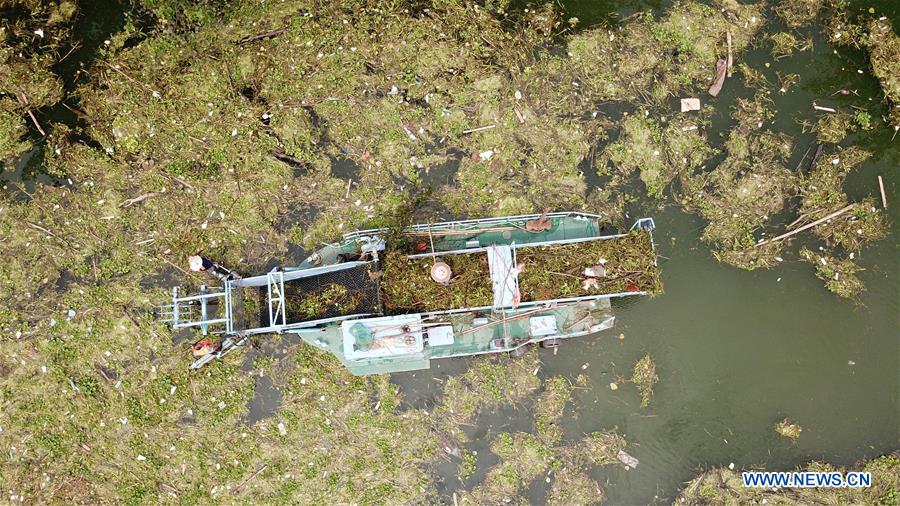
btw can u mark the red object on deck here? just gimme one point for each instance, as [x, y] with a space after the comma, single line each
[204, 347]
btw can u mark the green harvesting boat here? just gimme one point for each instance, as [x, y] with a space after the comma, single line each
[387, 301]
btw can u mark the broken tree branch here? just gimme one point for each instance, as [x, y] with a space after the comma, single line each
[42, 229]
[883, 196]
[250, 478]
[808, 226]
[23, 99]
[268, 35]
[730, 59]
[139, 198]
[479, 129]
[36, 124]
[823, 109]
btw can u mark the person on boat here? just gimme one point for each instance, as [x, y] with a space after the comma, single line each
[202, 264]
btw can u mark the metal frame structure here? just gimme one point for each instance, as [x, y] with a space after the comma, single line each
[183, 311]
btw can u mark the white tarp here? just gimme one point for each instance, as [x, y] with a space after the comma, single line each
[504, 275]
[382, 337]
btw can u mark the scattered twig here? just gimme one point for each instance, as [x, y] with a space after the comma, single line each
[804, 227]
[798, 220]
[139, 198]
[166, 260]
[133, 80]
[290, 160]
[349, 182]
[883, 196]
[812, 163]
[169, 488]
[519, 115]
[42, 229]
[254, 475]
[268, 35]
[730, 59]
[36, 124]
[23, 99]
[176, 178]
[479, 129]
[76, 46]
[802, 159]
[630, 16]
[823, 109]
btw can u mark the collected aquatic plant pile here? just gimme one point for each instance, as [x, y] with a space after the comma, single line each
[553, 272]
[406, 284]
[310, 305]
[252, 301]
[724, 486]
[644, 376]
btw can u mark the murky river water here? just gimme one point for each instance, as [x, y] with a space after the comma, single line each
[736, 351]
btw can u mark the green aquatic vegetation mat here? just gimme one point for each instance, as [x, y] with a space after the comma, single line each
[602, 448]
[12, 128]
[572, 485]
[651, 59]
[884, 56]
[554, 272]
[658, 150]
[833, 128]
[822, 192]
[741, 194]
[644, 376]
[798, 13]
[522, 459]
[839, 274]
[548, 409]
[784, 44]
[788, 428]
[191, 138]
[489, 383]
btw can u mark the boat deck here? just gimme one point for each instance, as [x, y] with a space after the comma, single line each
[452, 335]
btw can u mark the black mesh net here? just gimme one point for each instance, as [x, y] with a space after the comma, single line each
[345, 292]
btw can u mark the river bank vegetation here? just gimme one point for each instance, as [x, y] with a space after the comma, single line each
[250, 130]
